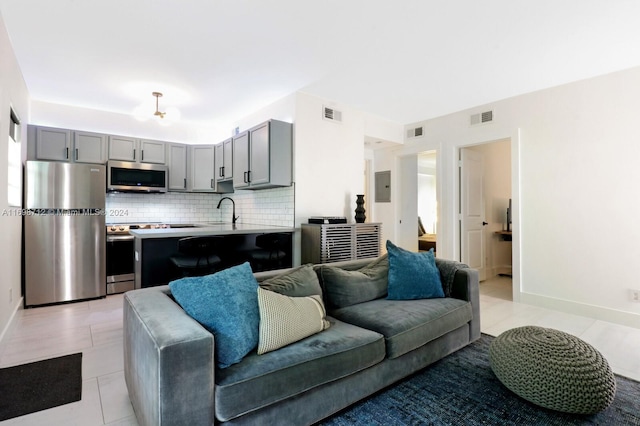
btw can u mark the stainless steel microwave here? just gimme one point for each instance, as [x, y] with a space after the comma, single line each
[124, 176]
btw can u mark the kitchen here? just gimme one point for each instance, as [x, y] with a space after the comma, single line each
[257, 210]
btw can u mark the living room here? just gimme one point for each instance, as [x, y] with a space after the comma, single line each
[574, 210]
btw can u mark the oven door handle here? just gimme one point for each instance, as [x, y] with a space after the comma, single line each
[111, 238]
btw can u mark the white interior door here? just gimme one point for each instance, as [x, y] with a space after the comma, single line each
[407, 190]
[472, 210]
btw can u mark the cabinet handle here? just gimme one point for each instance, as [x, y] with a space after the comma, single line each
[185, 183]
[134, 155]
[244, 177]
[142, 155]
[67, 153]
[249, 176]
[76, 154]
[221, 171]
[212, 180]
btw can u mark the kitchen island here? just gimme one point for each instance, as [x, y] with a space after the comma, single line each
[154, 247]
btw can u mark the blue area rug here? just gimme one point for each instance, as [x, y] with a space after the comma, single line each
[462, 390]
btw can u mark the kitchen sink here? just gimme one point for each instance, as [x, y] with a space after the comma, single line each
[182, 225]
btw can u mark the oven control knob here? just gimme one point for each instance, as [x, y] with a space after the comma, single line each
[113, 228]
[121, 228]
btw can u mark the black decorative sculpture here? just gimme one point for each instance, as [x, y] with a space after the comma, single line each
[360, 216]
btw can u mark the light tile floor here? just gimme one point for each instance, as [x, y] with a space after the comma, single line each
[619, 344]
[95, 328]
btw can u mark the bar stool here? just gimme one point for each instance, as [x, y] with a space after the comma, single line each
[197, 255]
[270, 252]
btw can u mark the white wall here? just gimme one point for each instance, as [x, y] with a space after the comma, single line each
[76, 118]
[328, 156]
[573, 184]
[14, 94]
[329, 160]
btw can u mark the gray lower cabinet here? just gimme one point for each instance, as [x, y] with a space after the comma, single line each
[49, 143]
[177, 166]
[262, 156]
[339, 242]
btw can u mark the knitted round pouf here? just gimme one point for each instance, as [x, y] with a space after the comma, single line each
[553, 369]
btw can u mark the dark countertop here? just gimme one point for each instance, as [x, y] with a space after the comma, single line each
[211, 228]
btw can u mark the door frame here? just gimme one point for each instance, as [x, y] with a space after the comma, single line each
[454, 152]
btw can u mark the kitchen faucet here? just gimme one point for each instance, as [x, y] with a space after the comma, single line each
[233, 214]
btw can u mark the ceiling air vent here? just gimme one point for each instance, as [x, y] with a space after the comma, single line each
[414, 133]
[331, 114]
[482, 117]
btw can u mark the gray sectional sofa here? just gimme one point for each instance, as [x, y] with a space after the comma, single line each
[172, 377]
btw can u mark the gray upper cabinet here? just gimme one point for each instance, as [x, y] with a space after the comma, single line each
[262, 156]
[224, 160]
[201, 161]
[177, 165]
[90, 147]
[241, 161]
[123, 148]
[259, 155]
[66, 145]
[52, 144]
[152, 152]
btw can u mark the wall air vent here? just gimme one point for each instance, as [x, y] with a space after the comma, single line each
[482, 117]
[414, 133]
[331, 114]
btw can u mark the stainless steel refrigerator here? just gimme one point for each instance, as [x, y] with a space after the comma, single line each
[64, 232]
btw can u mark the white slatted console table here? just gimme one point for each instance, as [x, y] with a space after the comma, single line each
[338, 242]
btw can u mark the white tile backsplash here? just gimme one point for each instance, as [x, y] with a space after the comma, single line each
[263, 207]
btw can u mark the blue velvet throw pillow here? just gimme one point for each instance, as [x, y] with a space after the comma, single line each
[412, 275]
[226, 304]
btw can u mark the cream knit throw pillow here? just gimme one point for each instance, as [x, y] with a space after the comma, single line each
[285, 320]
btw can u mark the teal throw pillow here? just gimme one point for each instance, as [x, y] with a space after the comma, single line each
[412, 275]
[226, 304]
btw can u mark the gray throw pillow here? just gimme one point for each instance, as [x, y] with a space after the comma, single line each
[298, 282]
[345, 288]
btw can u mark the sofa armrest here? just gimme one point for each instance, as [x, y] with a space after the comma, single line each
[168, 361]
[466, 286]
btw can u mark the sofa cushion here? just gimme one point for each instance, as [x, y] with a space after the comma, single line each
[297, 282]
[284, 319]
[345, 288]
[412, 275]
[407, 324]
[226, 304]
[261, 380]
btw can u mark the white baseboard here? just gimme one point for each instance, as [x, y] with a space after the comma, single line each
[629, 319]
[11, 318]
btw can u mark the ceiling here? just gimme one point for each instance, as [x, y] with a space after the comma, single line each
[220, 60]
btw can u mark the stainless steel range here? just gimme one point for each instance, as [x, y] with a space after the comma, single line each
[120, 255]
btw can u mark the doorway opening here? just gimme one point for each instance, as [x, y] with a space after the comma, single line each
[427, 201]
[485, 200]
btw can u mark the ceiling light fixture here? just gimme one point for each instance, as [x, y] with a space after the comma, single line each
[158, 95]
[166, 117]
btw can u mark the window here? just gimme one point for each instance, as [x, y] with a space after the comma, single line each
[14, 177]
